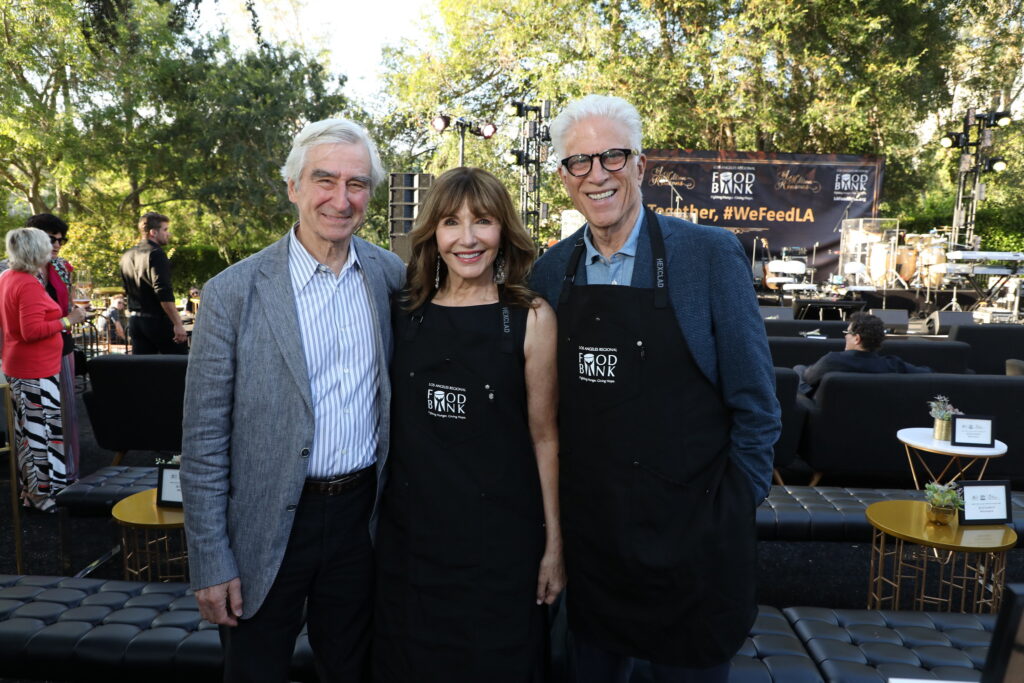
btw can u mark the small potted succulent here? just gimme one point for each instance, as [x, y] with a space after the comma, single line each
[942, 411]
[944, 500]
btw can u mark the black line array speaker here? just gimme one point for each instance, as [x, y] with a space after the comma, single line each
[939, 322]
[406, 193]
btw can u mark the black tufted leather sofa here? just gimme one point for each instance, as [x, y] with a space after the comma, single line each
[793, 415]
[852, 421]
[92, 630]
[122, 392]
[990, 345]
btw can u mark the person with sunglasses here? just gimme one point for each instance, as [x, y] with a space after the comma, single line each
[57, 280]
[667, 416]
[864, 336]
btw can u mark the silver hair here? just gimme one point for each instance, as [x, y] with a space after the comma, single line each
[605, 106]
[28, 249]
[329, 132]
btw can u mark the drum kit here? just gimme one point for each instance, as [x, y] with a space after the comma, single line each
[893, 258]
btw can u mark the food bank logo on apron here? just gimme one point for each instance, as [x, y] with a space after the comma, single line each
[597, 364]
[446, 402]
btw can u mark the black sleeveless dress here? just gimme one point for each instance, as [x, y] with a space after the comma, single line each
[462, 524]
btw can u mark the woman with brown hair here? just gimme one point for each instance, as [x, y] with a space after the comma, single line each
[32, 325]
[469, 547]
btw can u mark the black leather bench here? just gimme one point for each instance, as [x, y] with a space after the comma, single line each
[832, 513]
[850, 646]
[92, 630]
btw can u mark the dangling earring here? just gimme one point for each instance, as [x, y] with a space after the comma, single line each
[437, 272]
[499, 267]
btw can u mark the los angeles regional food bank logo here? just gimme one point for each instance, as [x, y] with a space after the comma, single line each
[598, 364]
[446, 402]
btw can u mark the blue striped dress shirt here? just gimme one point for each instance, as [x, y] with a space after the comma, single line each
[339, 338]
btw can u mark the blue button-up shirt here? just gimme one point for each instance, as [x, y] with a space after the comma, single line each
[617, 270]
[336, 322]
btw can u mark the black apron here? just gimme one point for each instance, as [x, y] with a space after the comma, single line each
[658, 522]
[462, 526]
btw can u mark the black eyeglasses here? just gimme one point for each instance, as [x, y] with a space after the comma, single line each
[612, 160]
[58, 240]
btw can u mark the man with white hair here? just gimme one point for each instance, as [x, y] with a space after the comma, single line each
[667, 416]
[286, 423]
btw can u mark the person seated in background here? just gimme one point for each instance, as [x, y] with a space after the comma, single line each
[864, 336]
[192, 301]
[111, 322]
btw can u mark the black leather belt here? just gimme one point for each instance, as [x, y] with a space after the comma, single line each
[342, 484]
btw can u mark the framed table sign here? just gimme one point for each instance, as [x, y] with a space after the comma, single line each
[168, 486]
[973, 430]
[986, 502]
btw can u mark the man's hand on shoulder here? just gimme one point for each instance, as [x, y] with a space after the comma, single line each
[221, 604]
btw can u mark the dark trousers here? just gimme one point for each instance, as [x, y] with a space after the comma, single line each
[593, 664]
[328, 570]
[153, 334]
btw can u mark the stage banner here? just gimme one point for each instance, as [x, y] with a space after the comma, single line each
[791, 201]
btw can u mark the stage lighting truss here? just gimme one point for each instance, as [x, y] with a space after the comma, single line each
[975, 138]
[528, 156]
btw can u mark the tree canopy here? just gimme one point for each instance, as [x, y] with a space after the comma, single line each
[112, 107]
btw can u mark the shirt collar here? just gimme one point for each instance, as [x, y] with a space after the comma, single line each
[627, 249]
[303, 266]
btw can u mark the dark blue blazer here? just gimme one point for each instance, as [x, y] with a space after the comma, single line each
[712, 295]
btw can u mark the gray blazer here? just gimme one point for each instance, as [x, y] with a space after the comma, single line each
[248, 417]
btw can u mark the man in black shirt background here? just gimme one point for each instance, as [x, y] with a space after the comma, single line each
[155, 325]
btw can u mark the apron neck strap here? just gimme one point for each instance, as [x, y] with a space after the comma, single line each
[570, 270]
[506, 345]
[660, 269]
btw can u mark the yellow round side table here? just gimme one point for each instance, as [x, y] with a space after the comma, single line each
[152, 539]
[968, 563]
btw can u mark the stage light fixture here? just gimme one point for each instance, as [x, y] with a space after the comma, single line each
[515, 108]
[996, 119]
[996, 165]
[518, 108]
[516, 157]
[441, 123]
[487, 131]
[953, 140]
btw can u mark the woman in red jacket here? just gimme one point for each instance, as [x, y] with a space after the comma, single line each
[32, 324]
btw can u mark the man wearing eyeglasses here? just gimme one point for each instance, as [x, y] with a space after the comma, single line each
[155, 324]
[667, 416]
[864, 336]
